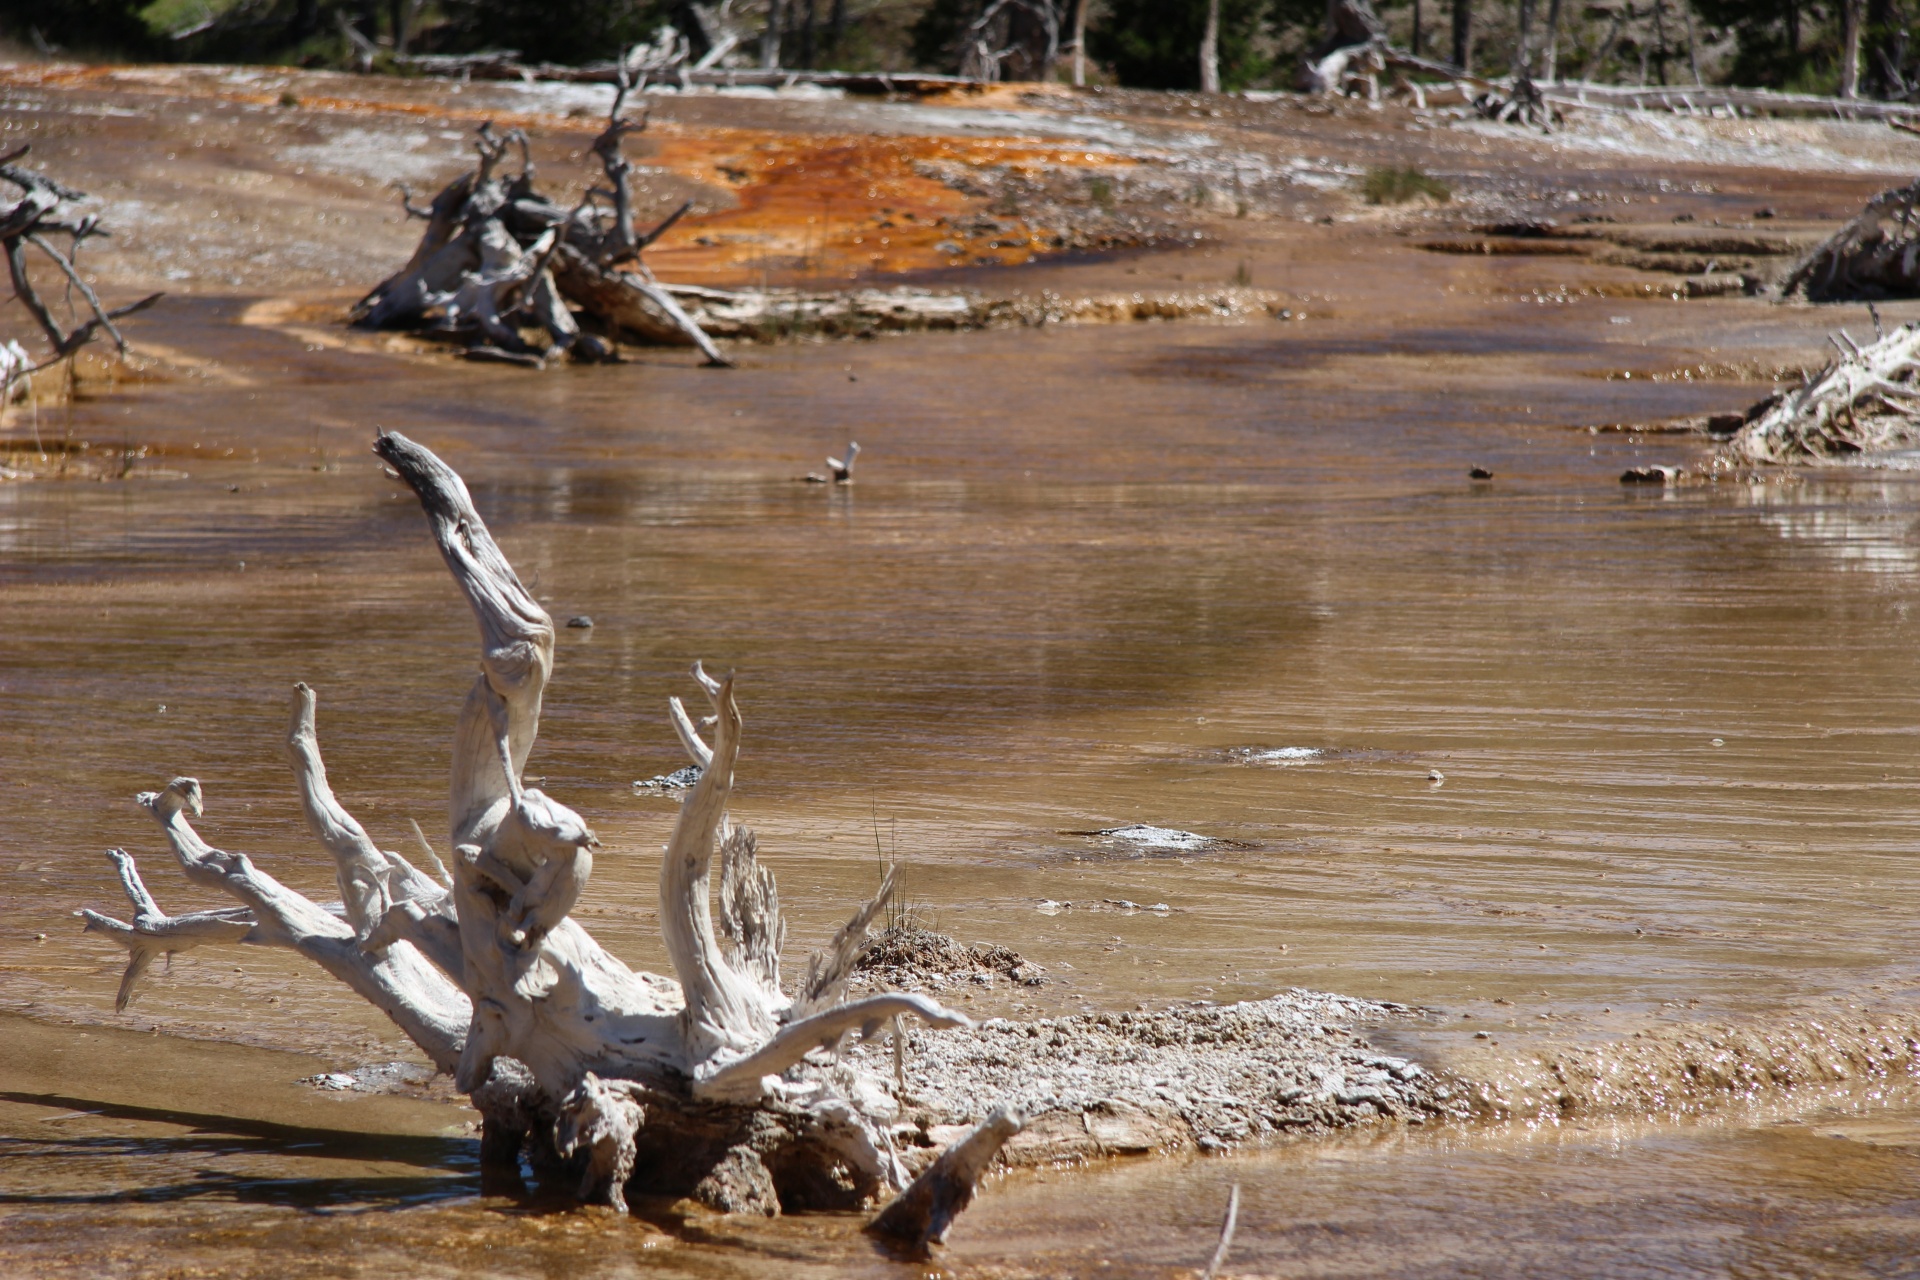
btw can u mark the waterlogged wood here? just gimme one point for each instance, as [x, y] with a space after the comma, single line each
[923, 1214]
[769, 315]
[498, 261]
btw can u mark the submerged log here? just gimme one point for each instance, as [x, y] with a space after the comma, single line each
[1866, 402]
[921, 1216]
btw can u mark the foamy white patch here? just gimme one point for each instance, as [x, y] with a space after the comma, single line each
[1148, 837]
[1828, 146]
[1281, 755]
[380, 154]
[1102, 134]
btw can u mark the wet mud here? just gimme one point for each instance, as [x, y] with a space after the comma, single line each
[1611, 784]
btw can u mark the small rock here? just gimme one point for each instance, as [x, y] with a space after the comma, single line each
[580, 620]
[1650, 475]
[1768, 212]
[1479, 473]
[1725, 424]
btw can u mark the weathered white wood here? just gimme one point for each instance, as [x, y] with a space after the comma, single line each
[922, 1214]
[371, 880]
[557, 1041]
[1227, 1225]
[397, 979]
[154, 932]
[1862, 404]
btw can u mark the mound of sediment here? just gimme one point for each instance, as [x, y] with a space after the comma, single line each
[1196, 1076]
[907, 958]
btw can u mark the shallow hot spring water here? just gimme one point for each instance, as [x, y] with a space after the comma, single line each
[1553, 759]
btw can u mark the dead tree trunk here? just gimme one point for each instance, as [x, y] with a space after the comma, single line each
[499, 260]
[1210, 50]
[1876, 255]
[715, 1077]
[1849, 48]
[45, 210]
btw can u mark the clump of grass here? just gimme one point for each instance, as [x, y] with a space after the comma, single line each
[1402, 185]
[1242, 277]
[1100, 191]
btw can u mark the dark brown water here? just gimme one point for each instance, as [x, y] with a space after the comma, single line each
[1229, 580]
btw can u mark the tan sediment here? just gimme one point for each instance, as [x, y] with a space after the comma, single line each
[1695, 1068]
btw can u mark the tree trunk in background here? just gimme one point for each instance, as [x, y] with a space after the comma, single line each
[1793, 26]
[1693, 50]
[1080, 43]
[1849, 48]
[1523, 54]
[806, 35]
[400, 13]
[1210, 50]
[837, 27]
[1550, 65]
[1884, 50]
[1660, 36]
[770, 38]
[1463, 34]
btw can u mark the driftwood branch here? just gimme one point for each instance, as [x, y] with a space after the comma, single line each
[923, 1214]
[42, 210]
[1220, 1250]
[1865, 402]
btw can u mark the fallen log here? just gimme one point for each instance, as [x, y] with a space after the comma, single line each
[1866, 402]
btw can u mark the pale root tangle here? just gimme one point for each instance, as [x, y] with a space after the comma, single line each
[1866, 402]
[736, 1091]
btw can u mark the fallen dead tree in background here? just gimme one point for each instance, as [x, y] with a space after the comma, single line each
[499, 261]
[730, 1085]
[767, 315]
[1864, 403]
[44, 210]
[1876, 255]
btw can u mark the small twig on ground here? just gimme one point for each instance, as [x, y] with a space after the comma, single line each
[1219, 1258]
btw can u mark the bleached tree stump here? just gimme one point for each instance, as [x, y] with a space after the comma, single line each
[718, 1084]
